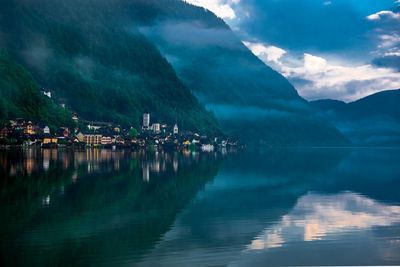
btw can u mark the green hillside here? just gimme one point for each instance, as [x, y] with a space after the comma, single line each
[104, 71]
[20, 96]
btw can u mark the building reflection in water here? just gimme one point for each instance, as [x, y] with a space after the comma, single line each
[26, 162]
[156, 163]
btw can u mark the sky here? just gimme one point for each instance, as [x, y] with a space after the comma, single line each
[337, 49]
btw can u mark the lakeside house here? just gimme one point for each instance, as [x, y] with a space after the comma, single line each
[80, 136]
[46, 130]
[106, 140]
[156, 128]
[106, 134]
[92, 139]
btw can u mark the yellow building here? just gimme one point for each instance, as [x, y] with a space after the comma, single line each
[92, 139]
[50, 141]
[80, 136]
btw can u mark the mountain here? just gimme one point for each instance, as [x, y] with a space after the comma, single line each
[372, 120]
[82, 51]
[112, 60]
[250, 99]
[20, 96]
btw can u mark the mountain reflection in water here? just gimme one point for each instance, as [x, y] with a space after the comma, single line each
[277, 207]
[93, 206]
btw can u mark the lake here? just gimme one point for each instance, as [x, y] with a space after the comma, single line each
[305, 206]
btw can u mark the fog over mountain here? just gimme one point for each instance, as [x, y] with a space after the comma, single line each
[373, 120]
[250, 98]
[112, 60]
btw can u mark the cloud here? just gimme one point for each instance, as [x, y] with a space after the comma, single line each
[384, 14]
[191, 34]
[316, 78]
[396, 54]
[347, 83]
[222, 8]
[352, 36]
[266, 53]
[226, 112]
[389, 40]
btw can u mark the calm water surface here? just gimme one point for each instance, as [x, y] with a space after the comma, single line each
[276, 207]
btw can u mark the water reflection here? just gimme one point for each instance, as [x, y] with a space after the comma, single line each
[277, 207]
[318, 217]
[93, 206]
[292, 207]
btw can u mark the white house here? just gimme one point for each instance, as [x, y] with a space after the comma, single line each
[48, 94]
[156, 127]
[46, 130]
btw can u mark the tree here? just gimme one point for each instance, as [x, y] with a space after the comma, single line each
[133, 132]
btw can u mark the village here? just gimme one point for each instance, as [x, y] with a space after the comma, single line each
[107, 135]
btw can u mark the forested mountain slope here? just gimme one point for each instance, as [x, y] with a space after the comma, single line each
[110, 60]
[83, 51]
[20, 96]
[250, 99]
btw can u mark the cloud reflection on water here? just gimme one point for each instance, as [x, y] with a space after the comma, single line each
[319, 217]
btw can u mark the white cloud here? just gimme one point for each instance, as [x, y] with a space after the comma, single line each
[382, 14]
[266, 53]
[342, 82]
[388, 54]
[222, 8]
[316, 78]
[389, 40]
[327, 3]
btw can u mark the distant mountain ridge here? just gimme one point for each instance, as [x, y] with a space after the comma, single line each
[378, 104]
[372, 120]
